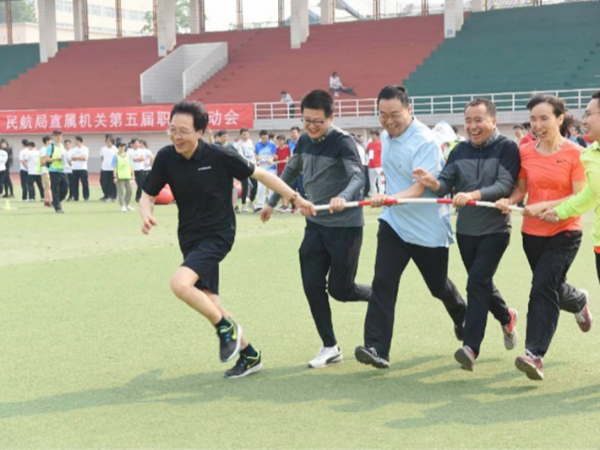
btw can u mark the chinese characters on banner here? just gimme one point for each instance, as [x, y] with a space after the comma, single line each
[108, 120]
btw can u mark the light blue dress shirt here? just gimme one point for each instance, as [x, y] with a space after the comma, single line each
[425, 225]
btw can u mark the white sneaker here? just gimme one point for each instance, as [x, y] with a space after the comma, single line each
[326, 356]
[129, 208]
[123, 208]
[251, 205]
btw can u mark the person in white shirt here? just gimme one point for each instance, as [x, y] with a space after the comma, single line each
[79, 161]
[33, 164]
[289, 101]
[69, 168]
[3, 160]
[364, 160]
[23, 170]
[149, 156]
[245, 148]
[107, 154]
[138, 156]
[336, 86]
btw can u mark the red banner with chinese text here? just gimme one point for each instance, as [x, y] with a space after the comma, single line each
[108, 120]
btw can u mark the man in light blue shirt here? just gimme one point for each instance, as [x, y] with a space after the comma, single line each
[265, 152]
[418, 232]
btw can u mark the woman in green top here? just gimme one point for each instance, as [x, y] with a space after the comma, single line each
[589, 197]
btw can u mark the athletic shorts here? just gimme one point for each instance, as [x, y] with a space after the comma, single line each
[204, 258]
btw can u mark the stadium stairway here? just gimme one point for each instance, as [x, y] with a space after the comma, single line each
[101, 73]
[511, 50]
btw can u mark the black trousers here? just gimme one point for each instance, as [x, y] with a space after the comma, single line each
[3, 174]
[333, 251]
[109, 188]
[140, 177]
[550, 259]
[244, 190]
[598, 265]
[481, 256]
[71, 180]
[367, 189]
[393, 255]
[8, 186]
[80, 175]
[60, 187]
[32, 180]
[24, 185]
[253, 190]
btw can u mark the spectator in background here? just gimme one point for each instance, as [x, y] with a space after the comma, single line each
[289, 101]
[34, 171]
[364, 159]
[138, 156]
[79, 162]
[46, 141]
[529, 137]
[23, 170]
[265, 152]
[336, 86]
[7, 183]
[245, 148]
[299, 184]
[375, 169]
[149, 156]
[222, 140]
[123, 173]
[519, 132]
[272, 138]
[107, 154]
[282, 157]
[3, 161]
[360, 139]
[69, 168]
[575, 136]
[56, 158]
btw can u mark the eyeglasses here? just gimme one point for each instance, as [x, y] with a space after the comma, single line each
[181, 133]
[588, 114]
[309, 122]
[395, 117]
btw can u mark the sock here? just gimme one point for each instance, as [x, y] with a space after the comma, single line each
[250, 351]
[223, 323]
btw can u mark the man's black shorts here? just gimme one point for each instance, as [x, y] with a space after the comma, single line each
[204, 258]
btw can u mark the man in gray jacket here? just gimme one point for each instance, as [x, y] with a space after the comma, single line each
[485, 167]
[329, 160]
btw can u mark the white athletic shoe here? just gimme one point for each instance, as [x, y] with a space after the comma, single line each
[129, 208]
[123, 208]
[326, 356]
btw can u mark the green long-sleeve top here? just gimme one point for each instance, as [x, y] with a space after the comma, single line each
[589, 197]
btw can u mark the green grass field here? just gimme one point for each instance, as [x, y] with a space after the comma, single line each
[96, 352]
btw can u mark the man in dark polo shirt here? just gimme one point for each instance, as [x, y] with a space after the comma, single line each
[201, 178]
[329, 253]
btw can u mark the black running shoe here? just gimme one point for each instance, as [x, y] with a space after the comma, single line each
[459, 331]
[230, 337]
[369, 356]
[244, 366]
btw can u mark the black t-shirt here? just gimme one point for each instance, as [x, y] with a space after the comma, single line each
[202, 189]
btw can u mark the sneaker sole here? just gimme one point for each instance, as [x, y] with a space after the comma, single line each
[463, 359]
[238, 343]
[509, 345]
[366, 358]
[532, 372]
[246, 373]
[581, 325]
[333, 360]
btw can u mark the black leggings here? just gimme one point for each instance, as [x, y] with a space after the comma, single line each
[8, 186]
[598, 265]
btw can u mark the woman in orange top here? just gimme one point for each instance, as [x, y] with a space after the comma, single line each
[550, 173]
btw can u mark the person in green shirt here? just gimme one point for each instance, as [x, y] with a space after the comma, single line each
[589, 197]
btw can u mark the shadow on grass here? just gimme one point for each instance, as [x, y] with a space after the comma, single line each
[453, 397]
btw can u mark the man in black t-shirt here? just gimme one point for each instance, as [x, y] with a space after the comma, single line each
[201, 178]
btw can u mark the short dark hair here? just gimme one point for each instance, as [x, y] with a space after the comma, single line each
[46, 139]
[455, 129]
[244, 130]
[222, 132]
[67, 141]
[110, 139]
[271, 135]
[24, 142]
[263, 133]
[134, 140]
[295, 128]
[526, 125]
[79, 138]
[394, 92]
[30, 144]
[194, 109]
[489, 105]
[518, 127]
[280, 136]
[558, 109]
[318, 99]
[374, 131]
[143, 141]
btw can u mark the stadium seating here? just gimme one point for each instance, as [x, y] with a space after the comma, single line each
[17, 59]
[367, 55]
[511, 50]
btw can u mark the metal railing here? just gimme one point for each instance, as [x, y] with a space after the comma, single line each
[426, 105]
